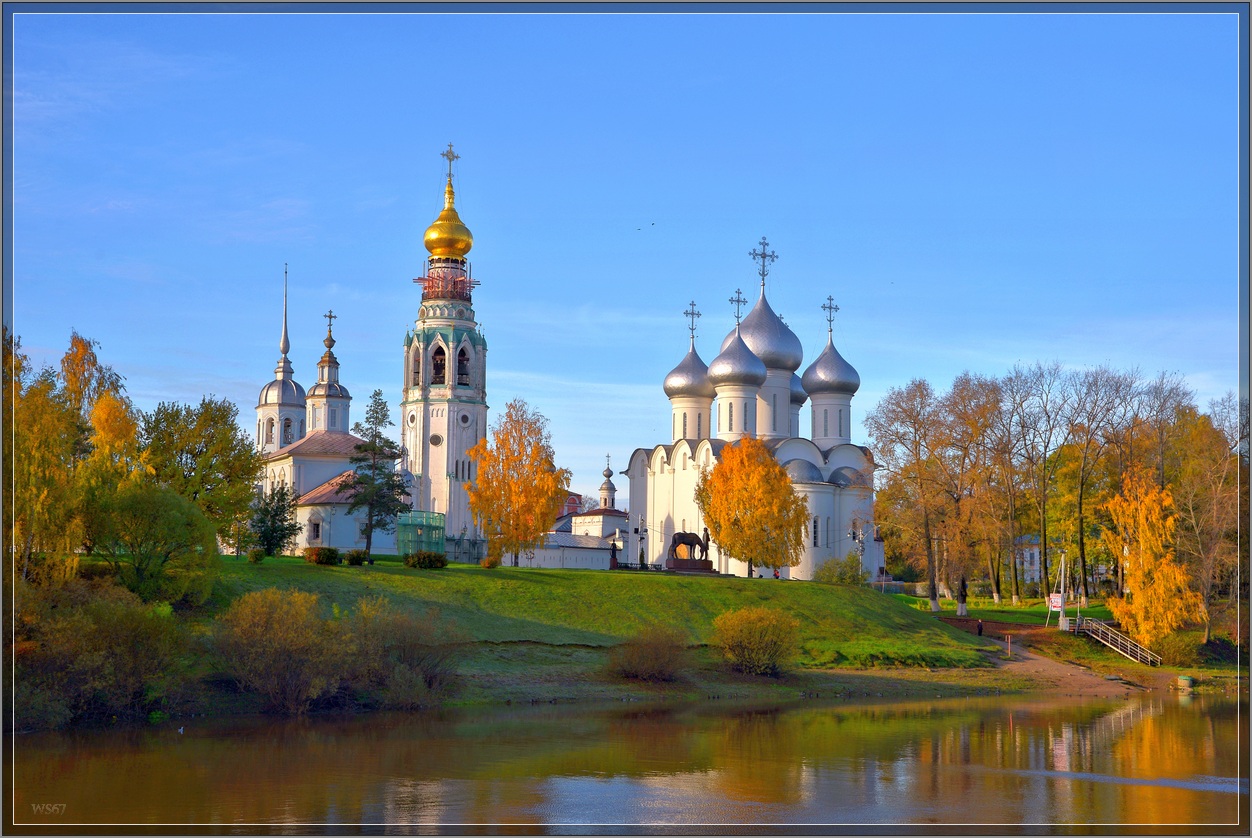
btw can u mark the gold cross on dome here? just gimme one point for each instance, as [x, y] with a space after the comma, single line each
[830, 308]
[330, 317]
[737, 301]
[692, 314]
[450, 155]
[765, 256]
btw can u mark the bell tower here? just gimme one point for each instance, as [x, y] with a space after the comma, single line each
[444, 407]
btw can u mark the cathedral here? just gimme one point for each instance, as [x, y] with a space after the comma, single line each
[753, 389]
[305, 437]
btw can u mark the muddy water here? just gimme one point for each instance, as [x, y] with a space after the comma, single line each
[1154, 762]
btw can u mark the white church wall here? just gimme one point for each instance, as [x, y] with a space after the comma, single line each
[335, 527]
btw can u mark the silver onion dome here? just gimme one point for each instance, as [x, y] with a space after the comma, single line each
[690, 377]
[737, 365]
[798, 396]
[282, 391]
[332, 389]
[830, 373]
[769, 338]
[802, 471]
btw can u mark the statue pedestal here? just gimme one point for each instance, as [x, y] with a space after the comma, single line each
[690, 565]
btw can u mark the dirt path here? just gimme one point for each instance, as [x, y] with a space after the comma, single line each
[1056, 678]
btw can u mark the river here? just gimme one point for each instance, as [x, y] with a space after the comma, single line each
[1161, 762]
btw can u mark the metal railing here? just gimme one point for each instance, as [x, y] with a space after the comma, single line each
[1115, 640]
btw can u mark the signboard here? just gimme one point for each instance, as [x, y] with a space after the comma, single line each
[1054, 602]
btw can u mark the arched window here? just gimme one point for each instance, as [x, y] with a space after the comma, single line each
[773, 412]
[438, 366]
[462, 368]
[269, 431]
[730, 417]
[841, 433]
[684, 469]
[700, 425]
[684, 426]
[330, 419]
[288, 435]
[815, 533]
[417, 368]
[825, 425]
[749, 416]
[302, 428]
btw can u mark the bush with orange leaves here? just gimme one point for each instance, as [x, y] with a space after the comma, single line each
[756, 640]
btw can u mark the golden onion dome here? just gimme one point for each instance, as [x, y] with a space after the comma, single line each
[448, 237]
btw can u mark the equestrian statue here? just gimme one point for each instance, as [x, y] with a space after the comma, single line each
[692, 541]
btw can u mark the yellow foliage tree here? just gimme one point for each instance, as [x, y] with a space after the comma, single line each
[1159, 598]
[750, 507]
[517, 490]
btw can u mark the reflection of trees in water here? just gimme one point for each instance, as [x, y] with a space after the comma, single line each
[951, 762]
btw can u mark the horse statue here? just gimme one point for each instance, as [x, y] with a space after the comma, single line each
[692, 541]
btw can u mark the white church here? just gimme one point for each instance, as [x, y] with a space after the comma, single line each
[752, 389]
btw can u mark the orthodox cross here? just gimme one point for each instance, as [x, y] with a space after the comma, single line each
[330, 316]
[450, 155]
[737, 301]
[607, 459]
[692, 314]
[830, 308]
[765, 256]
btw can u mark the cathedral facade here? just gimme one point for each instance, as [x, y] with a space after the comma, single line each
[752, 388]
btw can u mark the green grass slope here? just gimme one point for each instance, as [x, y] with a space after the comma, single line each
[838, 625]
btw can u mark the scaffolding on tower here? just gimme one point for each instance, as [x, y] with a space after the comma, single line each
[447, 279]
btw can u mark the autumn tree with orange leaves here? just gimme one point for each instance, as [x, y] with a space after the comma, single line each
[1159, 598]
[750, 507]
[517, 491]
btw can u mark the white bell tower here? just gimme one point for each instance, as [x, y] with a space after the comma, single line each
[444, 408]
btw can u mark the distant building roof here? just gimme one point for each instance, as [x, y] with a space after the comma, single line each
[329, 492]
[320, 443]
[601, 511]
[564, 539]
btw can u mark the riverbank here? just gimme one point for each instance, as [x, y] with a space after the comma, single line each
[522, 636]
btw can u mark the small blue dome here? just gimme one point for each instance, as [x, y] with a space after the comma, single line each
[802, 471]
[798, 396]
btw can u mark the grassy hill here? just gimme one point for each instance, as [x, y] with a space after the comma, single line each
[839, 625]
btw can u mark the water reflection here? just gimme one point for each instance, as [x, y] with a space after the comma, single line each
[987, 761]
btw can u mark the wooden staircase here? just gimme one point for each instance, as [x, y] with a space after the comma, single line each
[1114, 640]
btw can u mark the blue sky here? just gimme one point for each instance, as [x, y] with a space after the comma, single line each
[974, 189]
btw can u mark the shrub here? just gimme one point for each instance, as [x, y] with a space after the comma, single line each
[756, 640]
[321, 555]
[256, 555]
[846, 572]
[91, 651]
[426, 560]
[1182, 648]
[489, 561]
[356, 558]
[96, 570]
[658, 653]
[274, 643]
[411, 657]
